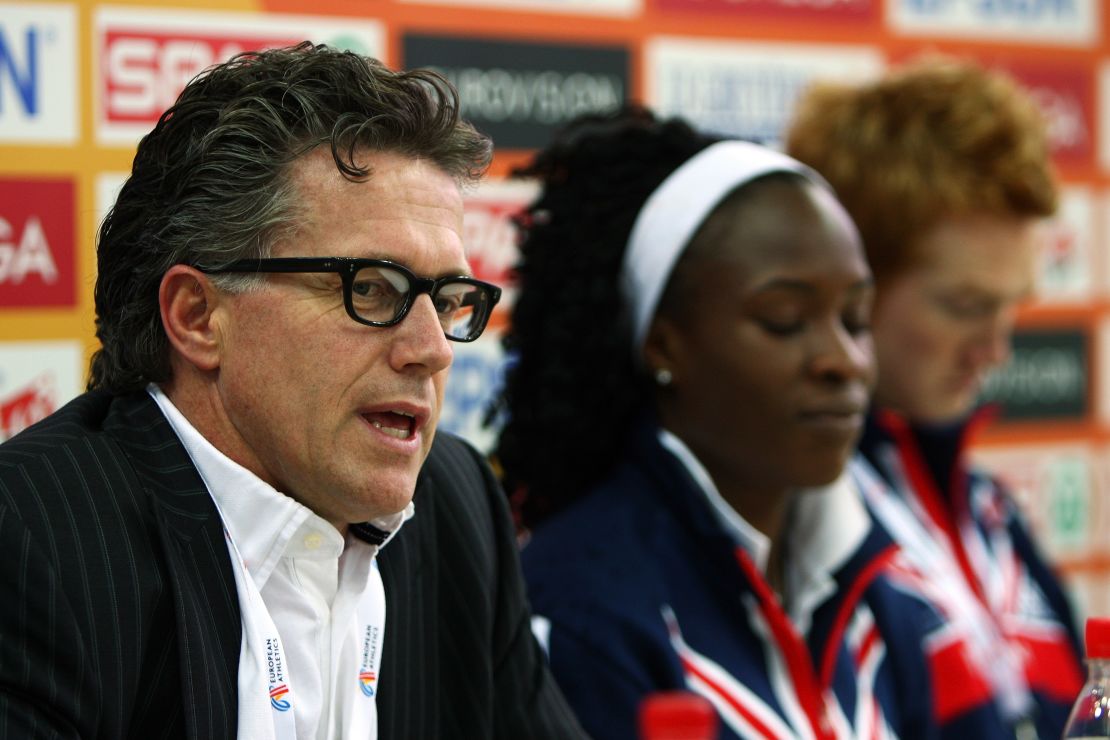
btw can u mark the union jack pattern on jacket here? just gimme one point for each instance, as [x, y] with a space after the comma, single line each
[638, 588]
[1006, 654]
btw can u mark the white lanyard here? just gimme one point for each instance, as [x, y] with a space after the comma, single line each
[361, 718]
[267, 700]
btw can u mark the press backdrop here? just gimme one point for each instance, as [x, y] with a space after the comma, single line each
[80, 82]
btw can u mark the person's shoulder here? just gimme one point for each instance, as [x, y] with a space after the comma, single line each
[619, 512]
[898, 598]
[602, 548]
[74, 423]
[452, 455]
[456, 475]
[72, 474]
[458, 500]
[87, 448]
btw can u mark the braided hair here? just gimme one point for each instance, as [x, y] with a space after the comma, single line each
[574, 387]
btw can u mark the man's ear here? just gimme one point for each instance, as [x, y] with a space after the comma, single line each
[187, 301]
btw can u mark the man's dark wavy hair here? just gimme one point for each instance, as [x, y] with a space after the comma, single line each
[210, 183]
[574, 387]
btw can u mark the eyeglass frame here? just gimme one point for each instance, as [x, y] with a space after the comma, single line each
[348, 267]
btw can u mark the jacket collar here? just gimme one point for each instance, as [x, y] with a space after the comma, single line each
[826, 614]
[205, 605]
[677, 487]
[160, 462]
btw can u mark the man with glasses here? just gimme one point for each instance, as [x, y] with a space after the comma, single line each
[244, 528]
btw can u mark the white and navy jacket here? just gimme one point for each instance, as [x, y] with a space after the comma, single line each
[642, 586]
[974, 559]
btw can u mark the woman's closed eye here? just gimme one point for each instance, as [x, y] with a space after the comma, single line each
[782, 325]
[857, 320]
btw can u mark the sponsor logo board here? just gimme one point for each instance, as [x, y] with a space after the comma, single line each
[38, 73]
[108, 185]
[1055, 487]
[519, 93]
[145, 56]
[477, 375]
[744, 89]
[1045, 379]
[1067, 262]
[1066, 97]
[584, 7]
[812, 10]
[1101, 380]
[1088, 590]
[490, 235]
[36, 378]
[1104, 115]
[37, 243]
[1063, 91]
[1028, 21]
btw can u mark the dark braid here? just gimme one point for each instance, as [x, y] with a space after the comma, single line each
[574, 388]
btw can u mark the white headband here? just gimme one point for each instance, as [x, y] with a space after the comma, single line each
[674, 211]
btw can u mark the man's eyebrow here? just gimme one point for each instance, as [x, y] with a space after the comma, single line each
[977, 292]
[456, 271]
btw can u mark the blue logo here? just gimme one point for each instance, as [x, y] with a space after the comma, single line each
[22, 74]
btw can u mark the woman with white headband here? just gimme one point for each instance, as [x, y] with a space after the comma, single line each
[692, 367]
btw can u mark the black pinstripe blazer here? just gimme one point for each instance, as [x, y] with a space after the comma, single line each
[118, 611]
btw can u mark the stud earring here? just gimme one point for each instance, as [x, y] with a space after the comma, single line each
[663, 377]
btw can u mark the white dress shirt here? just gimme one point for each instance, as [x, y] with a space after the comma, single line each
[311, 578]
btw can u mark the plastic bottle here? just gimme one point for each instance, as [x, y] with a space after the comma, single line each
[677, 715]
[1090, 715]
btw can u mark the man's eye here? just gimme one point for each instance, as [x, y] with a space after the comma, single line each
[369, 288]
[448, 304]
[452, 297]
[962, 307]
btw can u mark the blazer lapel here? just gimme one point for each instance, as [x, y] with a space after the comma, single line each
[409, 696]
[208, 624]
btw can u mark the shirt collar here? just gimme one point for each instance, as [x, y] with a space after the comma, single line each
[754, 542]
[262, 522]
[828, 525]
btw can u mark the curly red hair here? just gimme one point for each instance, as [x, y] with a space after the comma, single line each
[935, 139]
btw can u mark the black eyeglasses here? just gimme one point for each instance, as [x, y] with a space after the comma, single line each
[380, 292]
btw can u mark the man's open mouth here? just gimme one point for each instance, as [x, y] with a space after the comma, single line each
[394, 423]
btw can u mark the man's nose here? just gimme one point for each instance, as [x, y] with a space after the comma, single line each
[419, 341]
[992, 347]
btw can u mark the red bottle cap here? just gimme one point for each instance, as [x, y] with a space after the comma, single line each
[677, 715]
[1098, 637]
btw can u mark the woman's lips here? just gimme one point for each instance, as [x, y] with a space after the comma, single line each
[838, 419]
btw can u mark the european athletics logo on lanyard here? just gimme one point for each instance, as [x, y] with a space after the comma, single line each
[368, 669]
[275, 668]
[261, 664]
